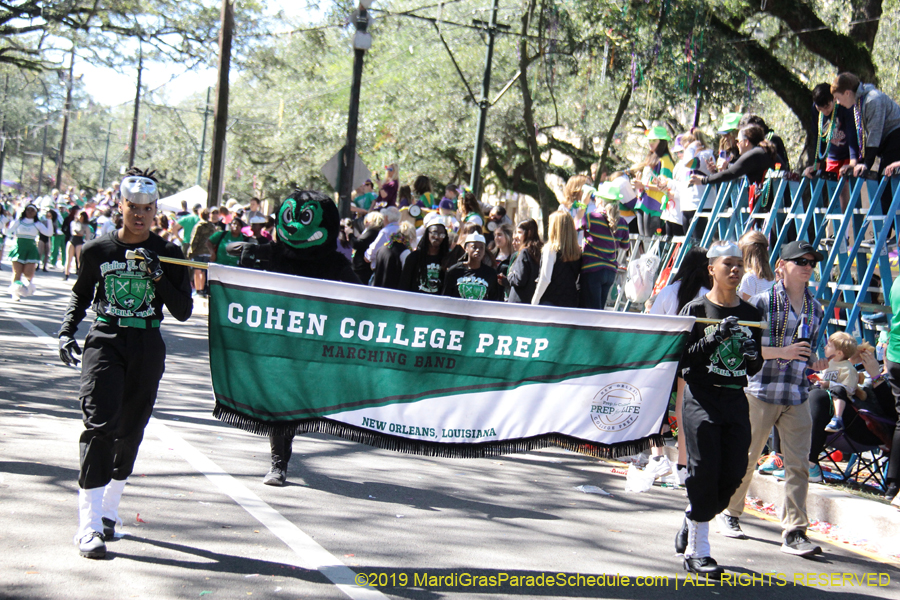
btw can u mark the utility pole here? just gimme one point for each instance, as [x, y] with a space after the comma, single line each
[206, 113]
[362, 41]
[137, 107]
[60, 165]
[492, 29]
[220, 115]
[2, 126]
[106, 156]
[43, 152]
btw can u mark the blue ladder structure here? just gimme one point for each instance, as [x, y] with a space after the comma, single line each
[803, 210]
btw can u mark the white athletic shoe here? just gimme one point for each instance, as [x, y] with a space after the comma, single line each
[659, 466]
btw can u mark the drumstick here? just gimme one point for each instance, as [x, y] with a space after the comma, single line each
[132, 255]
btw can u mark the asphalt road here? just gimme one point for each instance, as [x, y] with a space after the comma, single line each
[200, 524]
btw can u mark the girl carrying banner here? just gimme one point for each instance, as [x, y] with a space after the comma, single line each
[716, 364]
[124, 353]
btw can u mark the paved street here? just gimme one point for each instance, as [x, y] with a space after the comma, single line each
[199, 523]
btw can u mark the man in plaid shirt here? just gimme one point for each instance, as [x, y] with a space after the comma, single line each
[777, 394]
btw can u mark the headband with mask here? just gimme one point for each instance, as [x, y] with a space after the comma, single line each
[724, 249]
[139, 190]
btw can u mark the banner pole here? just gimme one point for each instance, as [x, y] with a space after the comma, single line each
[759, 324]
[131, 255]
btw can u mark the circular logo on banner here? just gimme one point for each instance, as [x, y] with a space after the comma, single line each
[616, 407]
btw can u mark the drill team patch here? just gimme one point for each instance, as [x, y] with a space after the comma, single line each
[128, 293]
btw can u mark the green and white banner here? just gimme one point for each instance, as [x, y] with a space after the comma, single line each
[433, 375]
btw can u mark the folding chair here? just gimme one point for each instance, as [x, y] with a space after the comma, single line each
[866, 463]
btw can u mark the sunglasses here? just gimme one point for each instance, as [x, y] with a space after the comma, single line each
[803, 262]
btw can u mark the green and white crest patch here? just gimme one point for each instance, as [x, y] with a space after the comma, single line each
[128, 292]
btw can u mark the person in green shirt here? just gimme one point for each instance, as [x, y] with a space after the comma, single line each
[221, 239]
[187, 224]
[364, 199]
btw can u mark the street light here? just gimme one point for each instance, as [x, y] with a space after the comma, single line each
[362, 41]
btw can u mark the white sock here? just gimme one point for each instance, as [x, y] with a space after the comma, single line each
[112, 494]
[90, 511]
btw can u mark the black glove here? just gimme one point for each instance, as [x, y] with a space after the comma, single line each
[749, 350]
[68, 348]
[237, 248]
[151, 262]
[722, 332]
[727, 328]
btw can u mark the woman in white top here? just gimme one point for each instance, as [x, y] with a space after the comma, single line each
[758, 275]
[81, 233]
[24, 255]
[698, 160]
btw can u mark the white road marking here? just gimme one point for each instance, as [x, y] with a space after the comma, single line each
[310, 555]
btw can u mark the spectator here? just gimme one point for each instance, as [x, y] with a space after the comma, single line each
[424, 196]
[391, 226]
[698, 160]
[404, 196]
[777, 395]
[200, 249]
[605, 232]
[422, 271]
[656, 175]
[836, 144]
[387, 194]
[346, 237]
[523, 274]
[471, 279]
[186, 225]
[758, 275]
[390, 258]
[451, 194]
[572, 201]
[470, 211]
[781, 156]
[879, 129]
[219, 241]
[447, 209]
[757, 157]
[365, 196]
[728, 147]
[557, 283]
[373, 222]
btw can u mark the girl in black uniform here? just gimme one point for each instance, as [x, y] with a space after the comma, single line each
[124, 353]
[716, 363]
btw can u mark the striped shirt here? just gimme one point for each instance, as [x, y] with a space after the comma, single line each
[600, 244]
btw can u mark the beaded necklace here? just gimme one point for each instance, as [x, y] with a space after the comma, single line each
[860, 130]
[779, 311]
[827, 137]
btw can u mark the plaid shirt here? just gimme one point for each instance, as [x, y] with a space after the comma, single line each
[788, 387]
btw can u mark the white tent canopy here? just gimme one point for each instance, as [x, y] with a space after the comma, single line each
[192, 195]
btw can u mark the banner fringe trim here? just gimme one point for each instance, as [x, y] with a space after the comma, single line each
[404, 445]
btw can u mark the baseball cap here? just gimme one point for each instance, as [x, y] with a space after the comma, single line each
[730, 122]
[658, 133]
[798, 249]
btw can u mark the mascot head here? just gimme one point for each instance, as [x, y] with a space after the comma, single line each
[308, 222]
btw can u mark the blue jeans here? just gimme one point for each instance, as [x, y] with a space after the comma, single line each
[595, 286]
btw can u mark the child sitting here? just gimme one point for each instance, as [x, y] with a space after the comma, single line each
[840, 378]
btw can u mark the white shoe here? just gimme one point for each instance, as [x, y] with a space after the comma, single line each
[92, 545]
[659, 466]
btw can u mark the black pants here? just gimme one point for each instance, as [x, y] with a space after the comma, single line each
[717, 431]
[821, 407]
[893, 474]
[119, 380]
[281, 448]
